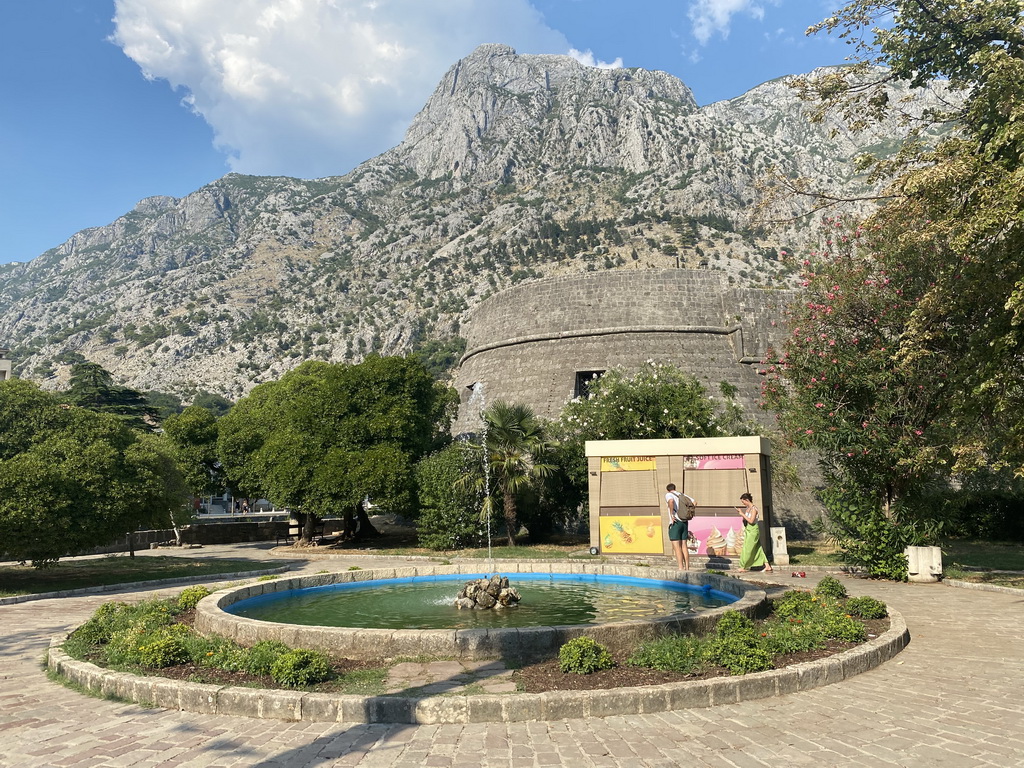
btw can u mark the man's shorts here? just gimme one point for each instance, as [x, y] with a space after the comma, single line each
[679, 530]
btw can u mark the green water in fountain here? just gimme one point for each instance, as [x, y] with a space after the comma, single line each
[428, 603]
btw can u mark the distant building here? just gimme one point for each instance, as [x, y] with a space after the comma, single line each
[5, 365]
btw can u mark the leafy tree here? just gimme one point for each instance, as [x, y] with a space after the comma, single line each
[515, 449]
[656, 401]
[92, 387]
[325, 436]
[954, 206]
[192, 439]
[71, 478]
[216, 404]
[450, 508]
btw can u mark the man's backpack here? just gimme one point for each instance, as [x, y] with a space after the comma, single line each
[689, 509]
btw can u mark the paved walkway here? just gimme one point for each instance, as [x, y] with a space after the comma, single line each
[952, 698]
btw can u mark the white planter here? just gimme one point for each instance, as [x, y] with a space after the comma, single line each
[924, 564]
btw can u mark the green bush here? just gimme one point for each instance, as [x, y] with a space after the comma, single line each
[584, 655]
[164, 648]
[734, 626]
[830, 587]
[449, 505]
[782, 636]
[867, 608]
[300, 667]
[190, 597]
[676, 653]
[840, 626]
[796, 605]
[107, 619]
[740, 656]
[261, 657]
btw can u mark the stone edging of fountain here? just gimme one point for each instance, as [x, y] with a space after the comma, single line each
[511, 707]
[509, 644]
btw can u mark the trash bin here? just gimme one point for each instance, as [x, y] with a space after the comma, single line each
[924, 564]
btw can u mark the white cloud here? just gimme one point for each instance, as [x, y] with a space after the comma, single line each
[313, 87]
[586, 58]
[710, 17]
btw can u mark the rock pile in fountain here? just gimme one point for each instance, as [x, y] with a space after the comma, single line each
[494, 592]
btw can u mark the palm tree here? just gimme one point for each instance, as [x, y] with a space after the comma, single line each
[515, 448]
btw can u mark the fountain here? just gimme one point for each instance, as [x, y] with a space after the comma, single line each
[404, 629]
[477, 389]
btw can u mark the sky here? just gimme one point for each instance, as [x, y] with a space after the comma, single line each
[106, 102]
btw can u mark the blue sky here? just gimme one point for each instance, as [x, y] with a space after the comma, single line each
[106, 102]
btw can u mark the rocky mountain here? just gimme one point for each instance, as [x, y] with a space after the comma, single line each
[518, 166]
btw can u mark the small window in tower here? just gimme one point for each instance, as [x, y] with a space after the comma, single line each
[584, 379]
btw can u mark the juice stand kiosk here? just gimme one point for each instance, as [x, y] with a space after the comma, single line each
[627, 481]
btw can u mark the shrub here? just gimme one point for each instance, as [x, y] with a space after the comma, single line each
[841, 626]
[584, 655]
[781, 636]
[300, 667]
[108, 618]
[678, 653]
[164, 648]
[796, 605]
[449, 506]
[830, 587]
[261, 657]
[190, 597]
[734, 626]
[867, 608]
[740, 656]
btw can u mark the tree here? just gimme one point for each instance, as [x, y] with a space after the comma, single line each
[71, 479]
[450, 508]
[92, 387]
[921, 379]
[192, 437]
[656, 401]
[324, 437]
[515, 448]
[955, 205]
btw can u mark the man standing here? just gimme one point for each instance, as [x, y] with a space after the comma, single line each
[678, 524]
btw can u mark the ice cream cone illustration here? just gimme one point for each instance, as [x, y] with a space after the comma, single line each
[716, 543]
[730, 542]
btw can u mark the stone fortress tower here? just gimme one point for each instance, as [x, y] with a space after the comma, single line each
[540, 342]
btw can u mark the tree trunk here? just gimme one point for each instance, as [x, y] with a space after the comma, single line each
[357, 524]
[511, 526]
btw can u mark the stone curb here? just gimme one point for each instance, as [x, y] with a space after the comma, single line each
[124, 586]
[983, 587]
[214, 617]
[512, 707]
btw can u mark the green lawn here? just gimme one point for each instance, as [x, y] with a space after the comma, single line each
[116, 569]
[998, 555]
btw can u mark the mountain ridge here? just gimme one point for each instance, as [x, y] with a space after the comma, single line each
[517, 167]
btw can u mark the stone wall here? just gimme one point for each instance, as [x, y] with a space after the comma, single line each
[527, 344]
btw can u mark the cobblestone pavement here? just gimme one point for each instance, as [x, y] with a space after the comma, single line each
[952, 698]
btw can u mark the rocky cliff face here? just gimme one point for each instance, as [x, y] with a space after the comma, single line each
[517, 167]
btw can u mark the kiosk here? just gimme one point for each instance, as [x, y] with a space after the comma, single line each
[627, 480]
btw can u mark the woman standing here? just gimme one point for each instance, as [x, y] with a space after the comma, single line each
[752, 555]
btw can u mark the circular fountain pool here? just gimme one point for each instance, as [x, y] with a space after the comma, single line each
[427, 602]
[463, 633]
